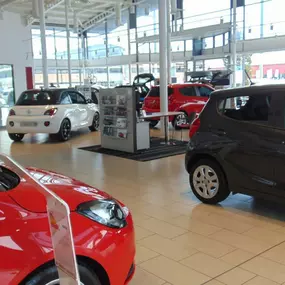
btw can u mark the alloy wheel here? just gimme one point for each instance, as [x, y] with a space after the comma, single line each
[96, 121]
[206, 181]
[66, 128]
[181, 120]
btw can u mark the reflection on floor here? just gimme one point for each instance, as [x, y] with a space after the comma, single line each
[179, 240]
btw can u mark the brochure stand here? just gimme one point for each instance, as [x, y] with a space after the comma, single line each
[119, 127]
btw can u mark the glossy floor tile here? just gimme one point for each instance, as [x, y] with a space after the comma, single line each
[179, 240]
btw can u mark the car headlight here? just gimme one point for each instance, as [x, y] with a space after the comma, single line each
[106, 212]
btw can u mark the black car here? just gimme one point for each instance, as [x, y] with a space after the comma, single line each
[239, 148]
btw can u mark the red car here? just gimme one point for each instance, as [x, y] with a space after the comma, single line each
[186, 97]
[104, 240]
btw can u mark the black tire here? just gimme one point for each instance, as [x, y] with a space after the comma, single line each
[16, 137]
[95, 123]
[176, 124]
[46, 276]
[64, 131]
[221, 192]
[152, 124]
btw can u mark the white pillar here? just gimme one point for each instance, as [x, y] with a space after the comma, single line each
[68, 41]
[243, 68]
[43, 42]
[234, 43]
[169, 53]
[163, 50]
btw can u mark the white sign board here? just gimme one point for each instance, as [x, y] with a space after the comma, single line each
[60, 225]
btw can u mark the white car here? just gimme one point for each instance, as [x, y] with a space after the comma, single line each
[53, 111]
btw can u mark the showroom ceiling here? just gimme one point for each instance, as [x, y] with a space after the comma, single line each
[83, 13]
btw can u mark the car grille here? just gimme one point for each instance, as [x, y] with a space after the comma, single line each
[131, 271]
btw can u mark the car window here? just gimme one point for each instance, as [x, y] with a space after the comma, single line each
[65, 99]
[38, 97]
[188, 91]
[255, 108]
[73, 97]
[155, 91]
[80, 99]
[205, 91]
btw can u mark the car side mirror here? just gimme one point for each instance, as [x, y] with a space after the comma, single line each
[89, 101]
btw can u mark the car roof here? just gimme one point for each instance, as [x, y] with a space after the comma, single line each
[248, 90]
[49, 89]
[180, 85]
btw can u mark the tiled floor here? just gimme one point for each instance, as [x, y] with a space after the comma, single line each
[179, 240]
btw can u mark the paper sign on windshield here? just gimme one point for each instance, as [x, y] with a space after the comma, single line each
[60, 226]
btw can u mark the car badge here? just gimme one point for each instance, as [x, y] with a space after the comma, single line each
[29, 112]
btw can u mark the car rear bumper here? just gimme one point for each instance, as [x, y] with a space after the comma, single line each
[33, 124]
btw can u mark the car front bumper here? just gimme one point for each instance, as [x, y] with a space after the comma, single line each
[113, 249]
[33, 124]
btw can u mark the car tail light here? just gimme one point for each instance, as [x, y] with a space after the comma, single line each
[12, 113]
[50, 112]
[194, 127]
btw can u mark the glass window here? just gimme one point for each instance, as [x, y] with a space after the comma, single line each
[254, 108]
[188, 91]
[205, 91]
[219, 40]
[65, 99]
[155, 92]
[208, 42]
[80, 99]
[7, 91]
[35, 97]
[73, 97]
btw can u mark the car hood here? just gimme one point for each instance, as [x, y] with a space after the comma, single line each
[72, 191]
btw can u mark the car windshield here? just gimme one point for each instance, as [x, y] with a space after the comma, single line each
[38, 97]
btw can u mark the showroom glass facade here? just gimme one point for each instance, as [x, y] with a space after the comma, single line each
[7, 94]
[257, 19]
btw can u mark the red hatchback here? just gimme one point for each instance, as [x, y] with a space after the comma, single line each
[104, 241]
[178, 95]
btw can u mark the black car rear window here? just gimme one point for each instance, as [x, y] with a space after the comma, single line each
[155, 92]
[35, 97]
[8, 179]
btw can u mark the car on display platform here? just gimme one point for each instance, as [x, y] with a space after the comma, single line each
[57, 112]
[102, 227]
[239, 148]
[186, 97]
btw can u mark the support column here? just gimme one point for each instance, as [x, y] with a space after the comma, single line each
[55, 55]
[163, 66]
[169, 53]
[234, 42]
[43, 42]
[129, 51]
[243, 68]
[68, 41]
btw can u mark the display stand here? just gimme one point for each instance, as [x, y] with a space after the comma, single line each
[120, 129]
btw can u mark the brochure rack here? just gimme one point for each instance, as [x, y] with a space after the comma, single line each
[118, 121]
